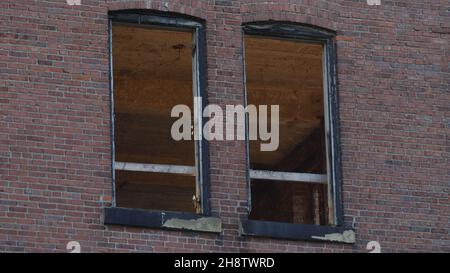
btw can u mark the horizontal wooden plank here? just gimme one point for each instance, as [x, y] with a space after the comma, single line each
[288, 176]
[254, 174]
[154, 168]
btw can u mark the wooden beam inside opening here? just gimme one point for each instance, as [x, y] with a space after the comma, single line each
[289, 176]
[190, 170]
[154, 168]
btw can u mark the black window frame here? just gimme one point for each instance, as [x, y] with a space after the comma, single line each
[310, 34]
[154, 218]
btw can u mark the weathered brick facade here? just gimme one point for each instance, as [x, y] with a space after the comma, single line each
[394, 103]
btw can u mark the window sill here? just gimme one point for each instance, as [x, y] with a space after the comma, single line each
[162, 219]
[335, 234]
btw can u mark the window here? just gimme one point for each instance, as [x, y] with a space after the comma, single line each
[155, 66]
[293, 66]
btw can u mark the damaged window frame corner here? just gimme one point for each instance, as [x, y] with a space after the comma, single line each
[202, 220]
[336, 231]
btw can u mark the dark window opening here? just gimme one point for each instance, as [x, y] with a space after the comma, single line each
[156, 191]
[290, 184]
[155, 67]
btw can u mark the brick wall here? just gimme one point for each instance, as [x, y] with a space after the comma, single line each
[55, 153]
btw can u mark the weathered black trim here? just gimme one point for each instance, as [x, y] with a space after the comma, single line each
[313, 34]
[111, 113]
[149, 219]
[178, 21]
[155, 17]
[334, 139]
[288, 30]
[202, 71]
[290, 231]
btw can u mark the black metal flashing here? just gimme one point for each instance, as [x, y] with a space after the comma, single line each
[288, 231]
[162, 219]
